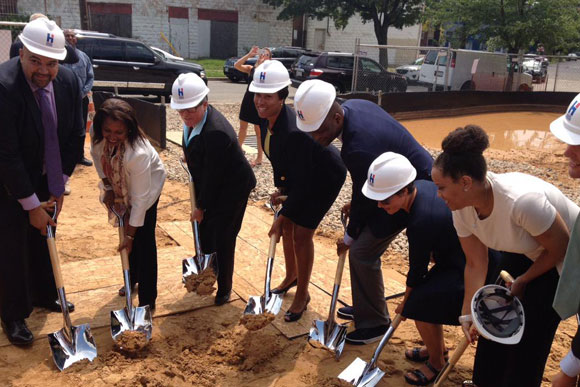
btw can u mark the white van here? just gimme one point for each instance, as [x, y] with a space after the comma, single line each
[469, 70]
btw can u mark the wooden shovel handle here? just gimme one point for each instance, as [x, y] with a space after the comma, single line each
[55, 263]
[339, 268]
[124, 255]
[506, 276]
[452, 361]
[396, 321]
[192, 196]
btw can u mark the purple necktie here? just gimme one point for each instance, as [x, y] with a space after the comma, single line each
[52, 162]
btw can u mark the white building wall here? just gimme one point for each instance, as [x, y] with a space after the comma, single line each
[64, 12]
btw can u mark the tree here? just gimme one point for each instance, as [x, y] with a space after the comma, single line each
[512, 24]
[383, 14]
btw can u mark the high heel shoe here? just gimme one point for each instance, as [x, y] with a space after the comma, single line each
[284, 290]
[291, 316]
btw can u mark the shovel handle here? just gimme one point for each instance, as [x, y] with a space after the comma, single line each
[272, 248]
[506, 276]
[192, 195]
[55, 263]
[124, 255]
[339, 269]
[452, 361]
[396, 321]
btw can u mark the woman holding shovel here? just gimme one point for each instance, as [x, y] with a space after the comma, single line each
[132, 176]
[529, 221]
[310, 175]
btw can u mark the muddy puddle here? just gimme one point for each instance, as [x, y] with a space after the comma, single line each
[514, 130]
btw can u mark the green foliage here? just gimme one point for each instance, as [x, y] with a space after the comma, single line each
[15, 30]
[512, 24]
[214, 68]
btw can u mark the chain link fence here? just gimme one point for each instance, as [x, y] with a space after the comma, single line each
[382, 69]
[9, 30]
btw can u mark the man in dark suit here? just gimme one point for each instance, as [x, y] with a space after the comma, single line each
[40, 142]
[222, 176]
[366, 131]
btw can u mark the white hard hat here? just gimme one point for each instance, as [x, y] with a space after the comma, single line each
[43, 37]
[497, 315]
[188, 91]
[313, 101]
[388, 174]
[567, 127]
[269, 77]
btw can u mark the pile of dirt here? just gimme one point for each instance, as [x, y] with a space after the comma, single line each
[202, 284]
[254, 322]
[131, 341]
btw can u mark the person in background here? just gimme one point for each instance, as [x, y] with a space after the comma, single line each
[310, 176]
[528, 221]
[222, 177]
[567, 129]
[40, 143]
[248, 113]
[366, 131]
[83, 69]
[131, 174]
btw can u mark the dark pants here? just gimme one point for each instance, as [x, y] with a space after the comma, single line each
[143, 258]
[218, 232]
[498, 365]
[26, 276]
[85, 106]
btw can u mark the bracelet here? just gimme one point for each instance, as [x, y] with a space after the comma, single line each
[465, 318]
[132, 237]
[107, 187]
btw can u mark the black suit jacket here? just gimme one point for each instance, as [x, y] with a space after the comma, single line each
[22, 133]
[221, 174]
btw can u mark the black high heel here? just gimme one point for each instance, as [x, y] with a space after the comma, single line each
[291, 316]
[285, 290]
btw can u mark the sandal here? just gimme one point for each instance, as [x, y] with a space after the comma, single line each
[422, 380]
[418, 358]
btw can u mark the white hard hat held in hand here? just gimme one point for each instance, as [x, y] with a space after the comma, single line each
[387, 175]
[270, 77]
[188, 91]
[567, 127]
[43, 37]
[313, 101]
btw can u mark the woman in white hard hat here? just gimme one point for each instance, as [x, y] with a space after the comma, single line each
[222, 177]
[310, 175]
[248, 113]
[525, 218]
[567, 129]
[131, 172]
[433, 296]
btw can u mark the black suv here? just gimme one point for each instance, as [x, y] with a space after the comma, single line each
[285, 54]
[337, 68]
[132, 66]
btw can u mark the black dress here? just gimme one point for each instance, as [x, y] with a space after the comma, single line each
[248, 110]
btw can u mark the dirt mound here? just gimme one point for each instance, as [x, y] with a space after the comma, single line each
[202, 284]
[254, 322]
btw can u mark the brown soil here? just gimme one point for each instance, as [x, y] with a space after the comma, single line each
[254, 322]
[131, 341]
[202, 284]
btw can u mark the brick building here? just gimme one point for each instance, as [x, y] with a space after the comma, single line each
[208, 28]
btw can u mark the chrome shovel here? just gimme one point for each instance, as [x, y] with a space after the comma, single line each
[328, 334]
[200, 263]
[268, 302]
[363, 374]
[72, 343]
[130, 318]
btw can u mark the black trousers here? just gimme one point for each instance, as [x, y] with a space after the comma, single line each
[218, 232]
[498, 365]
[85, 106]
[26, 276]
[143, 258]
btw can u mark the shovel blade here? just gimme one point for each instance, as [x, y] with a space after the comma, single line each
[357, 374]
[141, 321]
[67, 351]
[196, 265]
[328, 336]
[259, 304]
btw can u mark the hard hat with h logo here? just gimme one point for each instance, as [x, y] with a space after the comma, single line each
[43, 37]
[567, 127]
[270, 77]
[313, 101]
[387, 175]
[188, 91]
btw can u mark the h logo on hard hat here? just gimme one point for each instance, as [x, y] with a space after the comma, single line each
[49, 39]
[180, 93]
[262, 76]
[575, 105]
[372, 179]
[300, 115]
